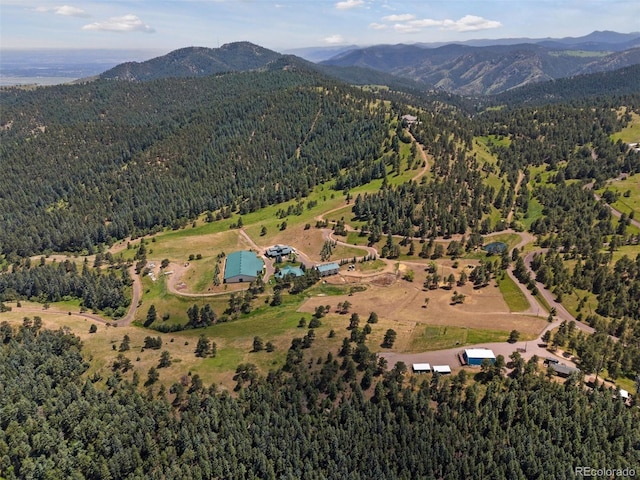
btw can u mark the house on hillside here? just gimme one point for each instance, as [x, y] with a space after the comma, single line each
[289, 270]
[409, 119]
[242, 266]
[328, 269]
[278, 251]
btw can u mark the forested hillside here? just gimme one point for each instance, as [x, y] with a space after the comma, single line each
[89, 163]
[195, 62]
[621, 82]
[56, 424]
[483, 70]
[84, 165]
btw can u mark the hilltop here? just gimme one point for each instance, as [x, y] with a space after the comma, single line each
[196, 62]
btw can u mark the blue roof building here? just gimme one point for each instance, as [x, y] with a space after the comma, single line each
[328, 269]
[475, 356]
[290, 270]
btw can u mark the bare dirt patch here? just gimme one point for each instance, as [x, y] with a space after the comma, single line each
[384, 280]
[403, 303]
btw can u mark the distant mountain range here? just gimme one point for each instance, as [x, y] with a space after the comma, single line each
[457, 68]
[596, 41]
[481, 70]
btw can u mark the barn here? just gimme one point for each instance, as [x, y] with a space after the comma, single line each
[475, 356]
[242, 266]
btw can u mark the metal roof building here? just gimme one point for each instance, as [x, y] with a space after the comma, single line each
[278, 251]
[242, 266]
[289, 270]
[421, 367]
[328, 269]
[475, 356]
[442, 369]
[563, 370]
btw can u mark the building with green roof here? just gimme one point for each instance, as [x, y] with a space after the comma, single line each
[242, 266]
[290, 270]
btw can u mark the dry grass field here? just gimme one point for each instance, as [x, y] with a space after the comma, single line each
[98, 347]
[310, 242]
[401, 306]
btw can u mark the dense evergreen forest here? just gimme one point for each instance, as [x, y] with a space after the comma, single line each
[86, 164]
[55, 424]
[574, 143]
[54, 282]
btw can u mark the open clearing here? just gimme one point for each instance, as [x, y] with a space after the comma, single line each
[629, 194]
[421, 325]
[401, 307]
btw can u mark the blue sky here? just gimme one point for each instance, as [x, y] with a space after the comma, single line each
[283, 24]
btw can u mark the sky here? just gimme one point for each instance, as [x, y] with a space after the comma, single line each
[283, 25]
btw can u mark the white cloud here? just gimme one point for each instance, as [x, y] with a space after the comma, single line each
[71, 11]
[65, 10]
[334, 39]
[378, 26]
[469, 23]
[405, 17]
[349, 4]
[127, 23]
[406, 28]
[427, 23]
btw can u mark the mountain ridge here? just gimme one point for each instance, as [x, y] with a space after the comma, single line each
[454, 67]
[469, 70]
[196, 61]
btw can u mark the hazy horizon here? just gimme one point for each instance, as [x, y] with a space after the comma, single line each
[285, 25]
[53, 65]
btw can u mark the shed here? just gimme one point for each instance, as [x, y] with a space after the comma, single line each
[475, 356]
[563, 370]
[242, 266]
[328, 269]
[290, 270]
[442, 369]
[421, 367]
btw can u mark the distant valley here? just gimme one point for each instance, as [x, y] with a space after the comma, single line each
[56, 66]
